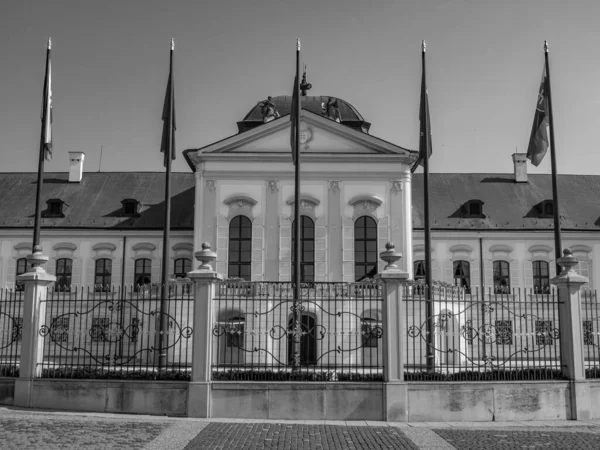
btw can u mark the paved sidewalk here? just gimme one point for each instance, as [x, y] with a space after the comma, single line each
[48, 430]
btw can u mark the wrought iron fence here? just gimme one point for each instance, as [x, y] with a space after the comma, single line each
[590, 328]
[130, 333]
[11, 331]
[479, 336]
[340, 332]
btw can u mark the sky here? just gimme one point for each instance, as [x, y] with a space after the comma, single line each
[110, 62]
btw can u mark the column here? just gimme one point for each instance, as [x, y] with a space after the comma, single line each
[36, 282]
[334, 213]
[395, 389]
[272, 231]
[568, 284]
[205, 279]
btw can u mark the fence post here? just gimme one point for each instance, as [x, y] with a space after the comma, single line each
[36, 281]
[568, 284]
[205, 279]
[394, 390]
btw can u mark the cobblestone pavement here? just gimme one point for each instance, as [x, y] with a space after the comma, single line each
[501, 439]
[255, 436]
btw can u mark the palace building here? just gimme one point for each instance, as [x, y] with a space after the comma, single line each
[491, 231]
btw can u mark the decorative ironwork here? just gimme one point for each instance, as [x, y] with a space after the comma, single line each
[331, 329]
[11, 331]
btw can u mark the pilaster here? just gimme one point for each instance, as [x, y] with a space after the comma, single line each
[334, 231]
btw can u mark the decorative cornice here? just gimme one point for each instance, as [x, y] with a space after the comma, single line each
[240, 199]
[65, 246]
[501, 248]
[304, 198]
[210, 185]
[23, 246]
[461, 248]
[104, 246]
[362, 199]
[334, 185]
[540, 248]
[183, 246]
[273, 185]
[144, 246]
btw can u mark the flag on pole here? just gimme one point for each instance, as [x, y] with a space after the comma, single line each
[425, 148]
[168, 115]
[47, 108]
[294, 120]
[539, 139]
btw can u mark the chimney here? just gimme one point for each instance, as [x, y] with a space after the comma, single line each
[76, 166]
[520, 160]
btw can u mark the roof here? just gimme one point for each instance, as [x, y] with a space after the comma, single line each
[96, 201]
[283, 103]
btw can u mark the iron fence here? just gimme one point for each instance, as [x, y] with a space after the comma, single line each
[479, 336]
[590, 328]
[11, 331]
[340, 331]
[117, 333]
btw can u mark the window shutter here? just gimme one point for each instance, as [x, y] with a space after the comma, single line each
[383, 237]
[321, 249]
[348, 250]
[222, 244]
[11, 272]
[285, 249]
[258, 248]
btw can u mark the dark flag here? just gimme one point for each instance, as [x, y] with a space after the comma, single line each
[47, 109]
[168, 115]
[539, 139]
[294, 119]
[425, 148]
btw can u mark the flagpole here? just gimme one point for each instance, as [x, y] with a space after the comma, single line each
[557, 238]
[38, 195]
[164, 323]
[297, 278]
[428, 269]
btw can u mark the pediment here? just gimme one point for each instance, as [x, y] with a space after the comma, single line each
[319, 136]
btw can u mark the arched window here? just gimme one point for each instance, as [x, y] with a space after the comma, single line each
[307, 250]
[371, 329]
[462, 274]
[143, 268]
[21, 269]
[240, 248]
[103, 275]
[64, 271]
[365, 248]
[308, 340]
[419, 270]
[541, 277]
[182, 267]
[501, 277]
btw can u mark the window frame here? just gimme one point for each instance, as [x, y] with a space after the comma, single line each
[19, 285]
[147, 274]
[239, 262]
[541, 282]
[64, 278]
[361, 244]
[104, 286]
[467, 277]
[497, 270]
[304, 240]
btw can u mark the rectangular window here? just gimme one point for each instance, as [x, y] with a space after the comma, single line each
[462, 275]
[588, 332]
[99, 328]
[543, 332]
[504, 332]
[541, 277]
[59, 330]
[21, 269]
[501, 277]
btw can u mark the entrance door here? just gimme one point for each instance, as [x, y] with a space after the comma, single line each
[308, 341]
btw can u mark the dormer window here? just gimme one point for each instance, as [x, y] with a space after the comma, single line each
[56, 208]
[546, 208]
[130, 207]
[474, 209]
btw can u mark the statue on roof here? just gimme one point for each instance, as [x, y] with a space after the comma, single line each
[268, 110]
[331, 110]
[304, 85]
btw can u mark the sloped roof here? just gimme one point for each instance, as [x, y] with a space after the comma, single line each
[96, 201]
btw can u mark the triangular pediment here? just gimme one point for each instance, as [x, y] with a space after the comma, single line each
[319, 135]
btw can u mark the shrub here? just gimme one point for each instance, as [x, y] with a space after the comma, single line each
[89, 373]
[8, 370]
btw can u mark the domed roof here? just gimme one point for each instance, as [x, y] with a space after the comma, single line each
[313, 103]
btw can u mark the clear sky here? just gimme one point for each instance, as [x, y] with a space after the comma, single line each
[484, 64]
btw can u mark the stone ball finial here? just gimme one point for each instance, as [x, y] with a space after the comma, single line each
[568, 261]
[37, 249]
[205, 256]
[390, 256]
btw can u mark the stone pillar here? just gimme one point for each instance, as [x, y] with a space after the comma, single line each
[36, 281]
[198, 207]
[395, 389]
[205, 280]
[568, 284]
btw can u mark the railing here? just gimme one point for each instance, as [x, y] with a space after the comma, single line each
[340, 332]
[481, 336]
[129, 333]
[590, 328]
[11, 331]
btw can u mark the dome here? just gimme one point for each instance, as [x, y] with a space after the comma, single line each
[283, 103]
